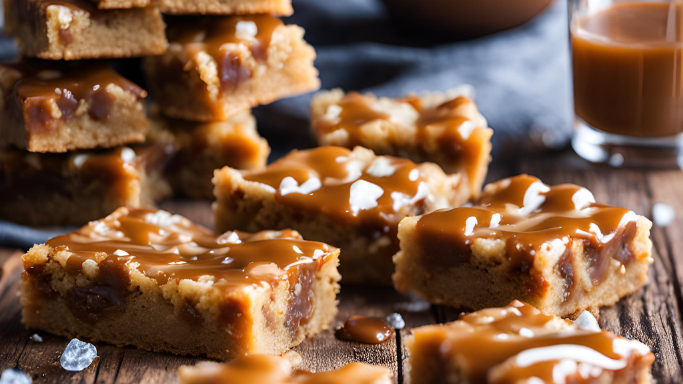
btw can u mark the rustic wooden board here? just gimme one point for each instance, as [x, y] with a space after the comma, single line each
[652, 315]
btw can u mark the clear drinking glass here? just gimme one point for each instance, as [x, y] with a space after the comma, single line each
[628, 81]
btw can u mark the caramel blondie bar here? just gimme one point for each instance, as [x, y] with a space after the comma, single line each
[200, 148]
[350, 199]
[59, 108]
[263, 369]
[519, 344]
[74, 188]
[159, 282]
[227, 7]
[443, 128]
[76, 29]
[217, 67]
[122, 4]
[553, 247]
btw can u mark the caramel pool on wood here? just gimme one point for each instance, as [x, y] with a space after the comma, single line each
[368, 330]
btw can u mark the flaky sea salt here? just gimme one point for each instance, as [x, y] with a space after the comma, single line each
[663, 214]
[396, 321]
[78, 355]
[36, 337]
[15, 376]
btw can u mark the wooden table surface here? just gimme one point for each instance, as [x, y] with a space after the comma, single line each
[652, 315]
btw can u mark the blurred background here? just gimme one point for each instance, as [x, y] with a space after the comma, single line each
[520, 73]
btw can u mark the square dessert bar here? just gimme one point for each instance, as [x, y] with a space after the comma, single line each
[159, 282]
[217, 67]
[350, 199]
[59, 108]
[519, 344]
[77, 29]
[226, 7]
[443, 128]
[553, 247]
[263, 369]
[74, 188]
[200, 148]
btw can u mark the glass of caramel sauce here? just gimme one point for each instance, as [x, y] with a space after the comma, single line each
[628, 81]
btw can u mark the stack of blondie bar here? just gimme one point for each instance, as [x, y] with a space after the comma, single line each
[77, 137]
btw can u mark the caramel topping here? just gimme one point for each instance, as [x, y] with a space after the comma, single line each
[68, 87]
[517, 342]
[368, 330]
[335, 182]
[532, 217]
[218, 37]
[263, 369]
[165, 246]
[454, 127]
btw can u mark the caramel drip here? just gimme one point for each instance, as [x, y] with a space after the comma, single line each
[490, 344]
[217, 36]
[368, 330]
[68, 88]
[528, 215]
[263, 369]
[342, 184]
[182, 250]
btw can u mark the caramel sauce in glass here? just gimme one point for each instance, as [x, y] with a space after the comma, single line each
[368, 330]
[166, 247]
[520, 342]
[628, 77]
[528, 215]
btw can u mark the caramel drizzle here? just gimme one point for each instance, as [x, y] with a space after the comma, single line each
[493, 345]
[328, 180]
[368, 330]
[456, 121]
[528, 215]
[68, 87]
[179, 249]
[217, 36]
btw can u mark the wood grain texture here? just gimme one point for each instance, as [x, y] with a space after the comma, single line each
[652, 315]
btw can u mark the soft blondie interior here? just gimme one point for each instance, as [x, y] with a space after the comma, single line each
[350, 199]
[262, 369]
[74, 188]
[553, 247]
[218, 67]
[76, 30]
[443, 128]
[156, 281]
[519, 344]
[59, 108]
[227, 7]
[197, 149]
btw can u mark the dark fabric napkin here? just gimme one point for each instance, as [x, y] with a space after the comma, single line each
[521, 77]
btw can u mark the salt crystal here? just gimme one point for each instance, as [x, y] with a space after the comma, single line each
[396, 321]
[663, 214]
[587, 322]
[78, 355]
[15, 376]
[36, 337]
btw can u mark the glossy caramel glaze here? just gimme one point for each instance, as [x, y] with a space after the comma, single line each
[454, 129]
[517, 342]
[627, 68]
[531, 217]
[367, 330]
[218, 37]
[169, 247]
[330, 181]
[68, 87]
[263, 369]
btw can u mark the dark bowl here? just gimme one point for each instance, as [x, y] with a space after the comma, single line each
[466, 17]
